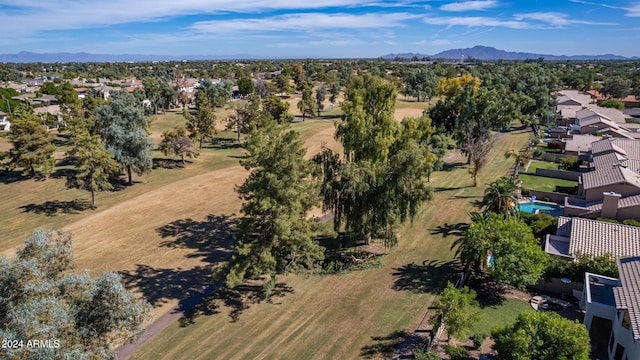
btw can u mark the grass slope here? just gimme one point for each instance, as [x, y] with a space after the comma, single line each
[343, 316]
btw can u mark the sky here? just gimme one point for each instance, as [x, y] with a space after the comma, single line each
[318, 28]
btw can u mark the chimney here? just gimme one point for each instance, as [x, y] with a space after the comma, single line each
[610, 205]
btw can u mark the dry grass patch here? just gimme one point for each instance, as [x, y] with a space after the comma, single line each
[343, 316]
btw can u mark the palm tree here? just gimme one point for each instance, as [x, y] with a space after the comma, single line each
[520, 155]
[502, 196]
[473, 247]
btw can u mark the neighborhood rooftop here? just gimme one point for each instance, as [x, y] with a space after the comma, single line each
[628, 295]
[592, 237]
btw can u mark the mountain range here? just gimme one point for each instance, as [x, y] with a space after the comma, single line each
[490, 53]
[476, 52]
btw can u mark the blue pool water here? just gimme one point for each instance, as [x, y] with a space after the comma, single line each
[547, 208]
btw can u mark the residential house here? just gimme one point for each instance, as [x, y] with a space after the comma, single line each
[578, 236]
[579, 144]
[569, 103]
[629, 101]
[82, 92]
[5, 125]
[602, 120]
[615, 305]
[612, 189]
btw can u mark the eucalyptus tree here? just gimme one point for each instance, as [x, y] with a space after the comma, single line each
[125, 134]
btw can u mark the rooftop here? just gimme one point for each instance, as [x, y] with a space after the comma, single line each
[595, 238]
[627, 296]
[609, 175]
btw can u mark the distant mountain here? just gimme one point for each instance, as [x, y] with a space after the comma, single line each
[490, 53]
[30, 57]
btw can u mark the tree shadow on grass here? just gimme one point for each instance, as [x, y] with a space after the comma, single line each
[398, 342]
[63, 173]
[221, 143]
[430, 277]
[452, 166]
[488, 292]
[160, 285]
[52, 208]
[12, 176]
[447, 229]
[237, 300]
[211, 238]
[165, 163]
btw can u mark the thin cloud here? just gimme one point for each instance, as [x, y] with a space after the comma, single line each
[555, 19]
[470, 5]
[304, 22]
[29, 16]
[633, 11]
[476, 21]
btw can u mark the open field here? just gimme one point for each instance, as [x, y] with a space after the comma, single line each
[343, 316]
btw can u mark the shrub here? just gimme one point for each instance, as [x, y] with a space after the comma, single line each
[612, 103]
[537, 153]
[632, 222]
[456, 352]
[569, 164]
[478, 339]
[426, 355]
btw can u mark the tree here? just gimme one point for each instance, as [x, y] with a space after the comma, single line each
[42, 298]
[502, 197]
[505, 249]
[616, 87]
[218, 93]
[542, 336]
[243, 115]
[94, 165]
[307, 105]
[457, 309]
[477, 148]
[274, 235]
[321, 94]
[262, 88]
[125, 134]
[153, 92]
[184, 98]
[278, 109]
[283, 84]
[177, 142]
[421, 83]
[245, 86]
[334, 90]
[379, 182]
[203, 124]
[32, 145]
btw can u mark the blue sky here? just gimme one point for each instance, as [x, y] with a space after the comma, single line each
[318, 28]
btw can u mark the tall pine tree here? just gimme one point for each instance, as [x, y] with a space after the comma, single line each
[274, 235]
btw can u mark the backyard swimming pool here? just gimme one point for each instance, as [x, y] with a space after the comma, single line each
[547, 208]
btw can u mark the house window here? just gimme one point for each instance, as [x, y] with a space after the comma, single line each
[626, 320]
[619, 352]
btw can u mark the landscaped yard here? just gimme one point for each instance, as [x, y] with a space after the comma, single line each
[534, 164]
[542, 183]
[499, 315]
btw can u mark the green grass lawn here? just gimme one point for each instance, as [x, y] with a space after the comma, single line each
[344, 316]
[542, 183]
[534, 164]
[499, 315]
